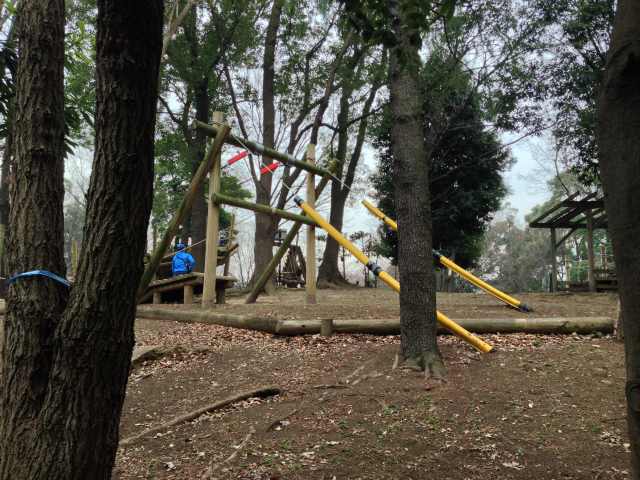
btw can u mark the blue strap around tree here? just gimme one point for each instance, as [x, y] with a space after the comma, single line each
[40, 273]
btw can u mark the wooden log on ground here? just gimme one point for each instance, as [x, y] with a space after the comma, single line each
[551, 325]
[262, 392]
[246, 322]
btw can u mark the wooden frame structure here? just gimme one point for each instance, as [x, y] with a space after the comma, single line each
[221, 132]
[572, 214]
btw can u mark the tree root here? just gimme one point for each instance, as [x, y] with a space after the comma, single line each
[428, 362]
[262, 392]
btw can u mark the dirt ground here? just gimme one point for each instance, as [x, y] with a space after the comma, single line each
[540, 406]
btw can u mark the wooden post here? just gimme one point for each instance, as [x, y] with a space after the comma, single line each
[188, 295]
[326, 327]
[591, 253]
[310, 276]
[554, 262]
[213, 223]
[157, 298]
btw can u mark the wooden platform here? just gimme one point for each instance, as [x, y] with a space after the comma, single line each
[182, 288]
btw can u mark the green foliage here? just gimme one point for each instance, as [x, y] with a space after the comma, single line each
[466, 164]
[373, 18]
[578, 39]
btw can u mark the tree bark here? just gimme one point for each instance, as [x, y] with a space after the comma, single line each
[196, 225]
[35, 239]
[265, 225]
[64, 378]
[619, 146]
[7, 158]
[418, 346]
[329, 273]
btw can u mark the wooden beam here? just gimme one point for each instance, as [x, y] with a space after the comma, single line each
[260, 149]
[311, 274]
[551, 210]
[213, 225]
[219, 198]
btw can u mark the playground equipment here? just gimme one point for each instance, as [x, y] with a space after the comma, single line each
[451, 265]
[314, 218]
[385, 277]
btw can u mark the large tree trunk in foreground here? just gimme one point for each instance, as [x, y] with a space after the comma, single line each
[35, 238]
[619, 145]
[266, 226]
[64, 377]
[418, 346]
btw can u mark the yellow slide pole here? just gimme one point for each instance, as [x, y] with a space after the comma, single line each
[451, 265]
[386, 278]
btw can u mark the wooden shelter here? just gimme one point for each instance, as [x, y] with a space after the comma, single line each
[572, 214]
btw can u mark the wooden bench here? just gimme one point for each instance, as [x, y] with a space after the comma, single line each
[182, 288]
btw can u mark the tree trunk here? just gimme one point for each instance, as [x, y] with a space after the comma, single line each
[35, 239]
[418, 346]
[329, 273]
[7, 157]
[619, 146]
[266, 226]
[64, 379]
[198, 223]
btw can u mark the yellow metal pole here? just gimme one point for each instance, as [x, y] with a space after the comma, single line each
[386, 278]
[451, 265]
